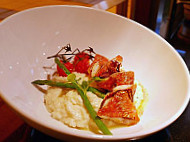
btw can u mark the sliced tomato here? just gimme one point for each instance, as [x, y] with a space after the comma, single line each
[81, 62]
[68, 65]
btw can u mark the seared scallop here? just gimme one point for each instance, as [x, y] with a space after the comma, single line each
[118, 107]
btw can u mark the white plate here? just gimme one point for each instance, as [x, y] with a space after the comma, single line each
[28, 37]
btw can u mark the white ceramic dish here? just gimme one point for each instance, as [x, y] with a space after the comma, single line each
[28, 37]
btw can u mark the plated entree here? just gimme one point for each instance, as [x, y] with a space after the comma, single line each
[89, 91]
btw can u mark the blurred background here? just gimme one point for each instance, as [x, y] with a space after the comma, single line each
[168, 18]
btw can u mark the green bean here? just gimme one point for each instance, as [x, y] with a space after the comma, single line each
[62, 66]
[67, 85]
[96, 91]
[53, 83]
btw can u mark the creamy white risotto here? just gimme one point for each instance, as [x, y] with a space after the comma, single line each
[67, 106]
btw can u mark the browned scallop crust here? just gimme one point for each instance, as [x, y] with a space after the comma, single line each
[118, 106]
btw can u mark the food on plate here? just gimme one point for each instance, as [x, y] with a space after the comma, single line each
[89, 91]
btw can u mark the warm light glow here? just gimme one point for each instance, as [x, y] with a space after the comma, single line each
[129, 8]
[113, 9]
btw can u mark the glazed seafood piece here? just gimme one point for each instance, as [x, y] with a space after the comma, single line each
[103, 67]
[111, 71]
[117, 80]
[118, 106]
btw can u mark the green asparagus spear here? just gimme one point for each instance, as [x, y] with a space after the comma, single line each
[96, 91]
[62, 66]
[53, 83]
[67, 85]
